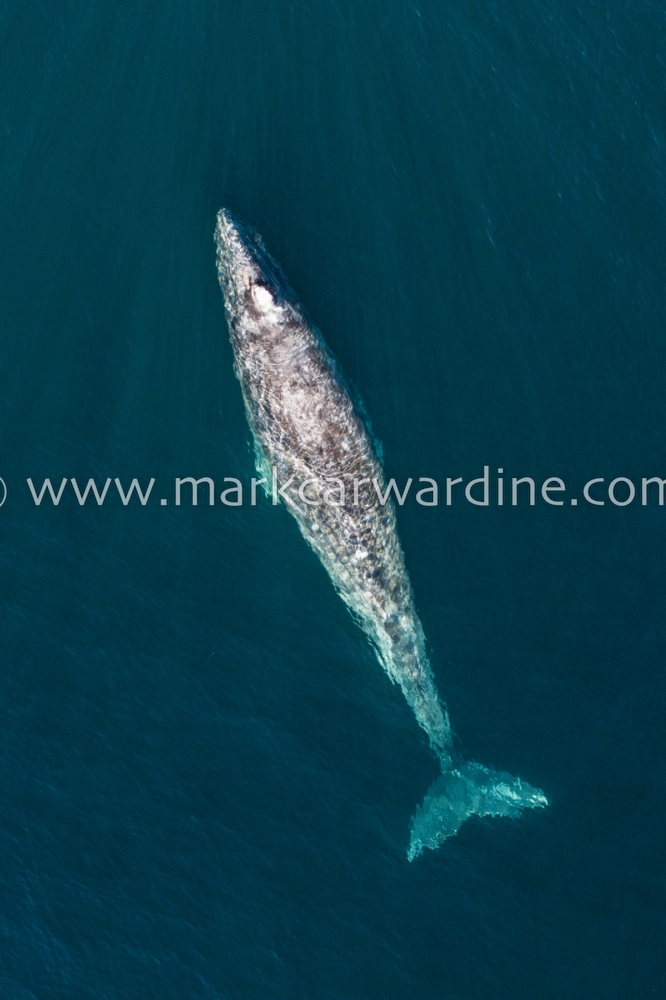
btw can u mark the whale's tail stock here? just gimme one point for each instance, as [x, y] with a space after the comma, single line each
[464, 788]
[467, 790]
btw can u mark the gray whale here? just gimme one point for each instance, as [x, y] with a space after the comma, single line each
[305, 427]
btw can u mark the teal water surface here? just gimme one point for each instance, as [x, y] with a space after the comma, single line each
[207, 780]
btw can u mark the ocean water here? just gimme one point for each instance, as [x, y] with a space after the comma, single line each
[206, 779]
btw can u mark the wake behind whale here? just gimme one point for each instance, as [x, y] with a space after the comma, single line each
[306, 428]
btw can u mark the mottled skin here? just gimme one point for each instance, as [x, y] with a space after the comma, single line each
[305, 426]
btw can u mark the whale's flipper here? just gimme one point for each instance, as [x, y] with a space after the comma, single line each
[470, 790]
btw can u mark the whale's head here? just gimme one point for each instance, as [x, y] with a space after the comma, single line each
[252, 282]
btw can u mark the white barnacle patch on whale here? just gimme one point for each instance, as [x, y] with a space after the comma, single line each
[263, 299]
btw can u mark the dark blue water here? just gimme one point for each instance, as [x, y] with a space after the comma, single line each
[207, 779]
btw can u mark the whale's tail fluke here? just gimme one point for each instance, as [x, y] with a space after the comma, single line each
[468, 790]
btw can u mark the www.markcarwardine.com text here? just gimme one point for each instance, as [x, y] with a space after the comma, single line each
[347, 490]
